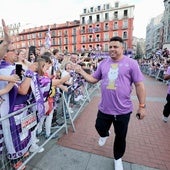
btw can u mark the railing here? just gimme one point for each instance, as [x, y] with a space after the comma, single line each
[28, 124]
[155, 72]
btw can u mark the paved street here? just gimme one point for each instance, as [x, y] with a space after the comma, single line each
[147, 141]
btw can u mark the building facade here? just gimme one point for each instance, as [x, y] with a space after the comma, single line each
[92, 32]
[166, 24]
[154, 34]
[63, 36]
[99, 24]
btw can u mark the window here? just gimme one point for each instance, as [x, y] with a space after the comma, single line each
[83, 20]
[59, 41]
[106, 27]
[84, 11]
[106, 16]
[90, 19]
[39, 35]
[97, 38]
[90, 30]
[115, 33]
[65, 40]
[91, 9]
[98, 18]
[90, 47]
[34, 43]
[83, 39]
[33, 35]
[90, 38]
[53, 34]
[65, 33]
[106, 36]
[97, 28]
[125, 14]
[22, 37]
[106, 47]
[23, 44]
[125, 23]
[74, 40]
[125, 35]
[116, 15]
[74, 48]
[59, 33]
[107, 6]
[116, 4]
[74, 31]
[98, 8]
[83, 30]
[53, 41]
[28, 36]
[115, 26]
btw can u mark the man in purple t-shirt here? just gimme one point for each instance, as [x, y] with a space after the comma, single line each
[166, 110]
[116, 75]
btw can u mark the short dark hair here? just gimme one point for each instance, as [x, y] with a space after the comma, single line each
[117, 38]
[46, 58]
[55, 51]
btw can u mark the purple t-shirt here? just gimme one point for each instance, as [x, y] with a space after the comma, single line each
[168, 72]
[116, 84]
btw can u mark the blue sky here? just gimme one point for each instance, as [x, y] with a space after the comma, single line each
[44, 12]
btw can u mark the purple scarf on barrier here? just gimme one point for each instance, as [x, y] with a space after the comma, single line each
[38, 96]
[16, 141]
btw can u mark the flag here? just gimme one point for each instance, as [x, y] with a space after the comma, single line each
[48, 39]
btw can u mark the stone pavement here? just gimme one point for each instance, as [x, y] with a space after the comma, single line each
[148, 140]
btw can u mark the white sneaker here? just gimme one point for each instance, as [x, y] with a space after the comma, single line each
[165, 119]
[118, 164]
[35, 148]
[102, 140]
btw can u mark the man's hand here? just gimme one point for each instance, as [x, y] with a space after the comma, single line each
[142, 112]
[14, 78]
[6, 41]
[77, 68]
[7, 38]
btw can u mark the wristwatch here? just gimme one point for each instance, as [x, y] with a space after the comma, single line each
[142, 105]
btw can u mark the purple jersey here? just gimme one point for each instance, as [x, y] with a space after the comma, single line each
[117, 78]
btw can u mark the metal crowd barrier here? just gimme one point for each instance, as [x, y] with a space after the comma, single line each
[63, 108]
[157, 73]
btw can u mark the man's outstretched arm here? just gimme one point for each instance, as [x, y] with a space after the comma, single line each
[6, 40]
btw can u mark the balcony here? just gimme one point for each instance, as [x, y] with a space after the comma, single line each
[106, 39]
[124, 26]
[125, 37]
[106, 28]
[90, 30]
[115, 27]
[97, 29]
[83, 31]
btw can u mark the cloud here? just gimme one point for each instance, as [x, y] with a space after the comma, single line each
[44, 12]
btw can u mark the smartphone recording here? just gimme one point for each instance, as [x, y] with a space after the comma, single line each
[18, 70]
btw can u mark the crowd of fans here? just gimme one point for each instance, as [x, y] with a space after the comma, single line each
[157, 64]
[34, 76]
